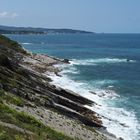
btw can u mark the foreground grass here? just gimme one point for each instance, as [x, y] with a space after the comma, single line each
[24, 121]
[10, 98]
[12, 134]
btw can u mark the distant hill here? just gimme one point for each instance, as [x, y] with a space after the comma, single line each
[31, 30]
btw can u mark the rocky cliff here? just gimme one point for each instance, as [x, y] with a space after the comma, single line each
[33, 109]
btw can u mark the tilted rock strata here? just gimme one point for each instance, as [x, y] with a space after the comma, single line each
[23, 74]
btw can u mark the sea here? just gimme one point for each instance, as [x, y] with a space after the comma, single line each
[104, 68]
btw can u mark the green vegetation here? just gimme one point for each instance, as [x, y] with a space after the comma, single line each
[10, 98]
[12, 134]
[26, 122]
[11, 44]
[31, 30]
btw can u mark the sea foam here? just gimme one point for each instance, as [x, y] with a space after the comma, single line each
[118, 121]
[100, 61]
[26, 43]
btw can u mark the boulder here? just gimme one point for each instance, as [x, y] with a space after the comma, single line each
[66, 61]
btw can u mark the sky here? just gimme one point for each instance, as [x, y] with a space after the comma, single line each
[108, 16]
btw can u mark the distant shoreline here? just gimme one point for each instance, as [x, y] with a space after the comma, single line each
[32, 30]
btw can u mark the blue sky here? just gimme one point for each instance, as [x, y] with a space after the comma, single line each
[109, 16]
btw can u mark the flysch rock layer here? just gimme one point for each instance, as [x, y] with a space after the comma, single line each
[56, 107]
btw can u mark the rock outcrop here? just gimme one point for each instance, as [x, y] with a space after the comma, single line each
[22, 74]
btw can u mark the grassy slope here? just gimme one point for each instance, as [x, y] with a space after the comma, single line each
[24, 121]
[20, 119]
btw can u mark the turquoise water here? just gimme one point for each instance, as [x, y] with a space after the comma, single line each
[99, 63]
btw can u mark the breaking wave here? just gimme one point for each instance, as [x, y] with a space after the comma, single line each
[119, 121]
[26, 43]
[100, 61]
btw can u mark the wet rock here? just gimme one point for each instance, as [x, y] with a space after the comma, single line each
[124, 125]
[121, 138]
[57, 74]
[66, 61]
[93, 92]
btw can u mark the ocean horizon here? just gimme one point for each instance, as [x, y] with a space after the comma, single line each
[104, 68]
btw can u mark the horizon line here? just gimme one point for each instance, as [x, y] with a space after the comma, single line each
[65, 28]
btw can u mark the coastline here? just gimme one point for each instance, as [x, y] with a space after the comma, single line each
[56, 107]
[69, 103]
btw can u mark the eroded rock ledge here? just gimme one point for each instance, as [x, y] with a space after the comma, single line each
[23, 74]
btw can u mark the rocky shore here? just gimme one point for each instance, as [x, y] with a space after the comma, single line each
[26, 88]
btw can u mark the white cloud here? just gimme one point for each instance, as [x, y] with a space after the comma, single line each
[8, 14]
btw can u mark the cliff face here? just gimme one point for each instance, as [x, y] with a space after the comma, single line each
[31, 108]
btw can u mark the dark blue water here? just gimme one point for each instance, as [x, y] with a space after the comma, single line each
[105, 62]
